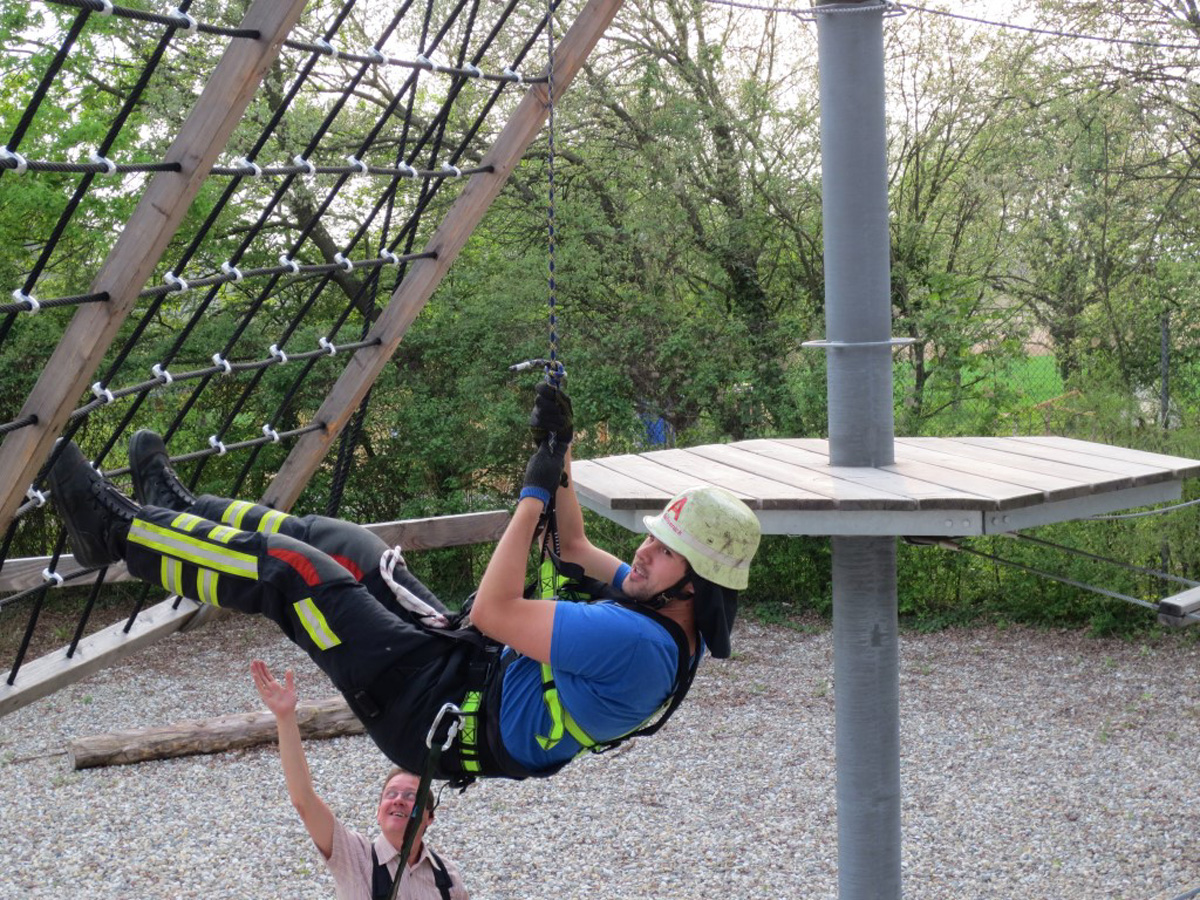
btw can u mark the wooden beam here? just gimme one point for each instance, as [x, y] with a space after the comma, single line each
[1180, 609]
[141, 244]
[411, 534]
[324, 719]
[425, 274]
[56, 670]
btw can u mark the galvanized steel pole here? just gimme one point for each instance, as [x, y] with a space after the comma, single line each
[861, 432]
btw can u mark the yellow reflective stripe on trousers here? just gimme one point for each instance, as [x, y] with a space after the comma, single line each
[468, 735]
[235, 512]
[271, 520]
[316, 626]
[195, 550]
[560, 719]
[171, 574]
[206, 587]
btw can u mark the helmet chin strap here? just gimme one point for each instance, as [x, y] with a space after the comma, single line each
[674, 592]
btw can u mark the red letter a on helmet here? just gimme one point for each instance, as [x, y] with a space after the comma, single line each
[676, 508]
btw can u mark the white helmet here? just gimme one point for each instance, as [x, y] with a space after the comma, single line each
[713, 530]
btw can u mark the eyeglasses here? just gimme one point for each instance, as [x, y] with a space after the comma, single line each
[406, 796]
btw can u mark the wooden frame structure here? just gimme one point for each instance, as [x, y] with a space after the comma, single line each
[138, 251]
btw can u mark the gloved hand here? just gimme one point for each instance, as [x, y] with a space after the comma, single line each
[544, 472]
[552, 413]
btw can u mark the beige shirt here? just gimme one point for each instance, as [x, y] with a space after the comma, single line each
[350, 865]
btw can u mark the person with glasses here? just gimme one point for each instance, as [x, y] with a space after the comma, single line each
[362, 869]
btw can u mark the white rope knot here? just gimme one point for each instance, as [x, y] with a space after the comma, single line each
[407, 171]
[473, 70]
[410, 601]
[22, 164]
[110, 167]
[38, 497]
[357, 164]
[186, 22]
[270, 432]
[376, 56]
[308, 167]
[243, 163]
[217, 445]
[176, 282]
[103, 394]
[389, 258]
[230, 269]
[327, 48]
[222, 363]
[344, 264]
[21, 297]
[278, 354]
[328, 346]
[161, 374]
[290, 264]
[106, 8]
[513, 76]
[53, 578]
[426, 63]
[452, 171]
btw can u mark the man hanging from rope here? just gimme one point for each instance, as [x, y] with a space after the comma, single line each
[532, 682]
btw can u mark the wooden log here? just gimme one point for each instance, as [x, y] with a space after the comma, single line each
[325, 719]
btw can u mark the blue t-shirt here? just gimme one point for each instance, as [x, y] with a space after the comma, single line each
[613, 667]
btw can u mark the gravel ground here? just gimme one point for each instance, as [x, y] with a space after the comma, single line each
[1035, 765]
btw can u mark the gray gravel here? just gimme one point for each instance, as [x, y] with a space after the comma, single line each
[1035, 765]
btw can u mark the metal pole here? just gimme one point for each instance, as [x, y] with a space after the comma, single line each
[861, 433]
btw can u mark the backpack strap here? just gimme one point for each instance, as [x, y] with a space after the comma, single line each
[441, 875]
[381, 878]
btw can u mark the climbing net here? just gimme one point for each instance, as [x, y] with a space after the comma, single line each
[327, 193]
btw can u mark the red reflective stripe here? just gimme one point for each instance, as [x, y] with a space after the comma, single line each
[298, 562]
[348, 564]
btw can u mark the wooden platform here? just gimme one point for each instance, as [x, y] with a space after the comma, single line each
[937, 486]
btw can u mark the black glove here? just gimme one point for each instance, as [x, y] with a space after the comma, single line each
[544, 473]
[552, 413]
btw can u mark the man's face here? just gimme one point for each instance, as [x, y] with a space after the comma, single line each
[396, 805]
[655, 568]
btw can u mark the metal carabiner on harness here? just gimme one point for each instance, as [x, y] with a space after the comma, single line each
[451, 732]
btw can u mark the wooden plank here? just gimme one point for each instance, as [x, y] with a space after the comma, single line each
[55, 670]
[412, 534]
[140, 245]
[1178, 466]
[640, 468]
[443, 531]
[1003, 455]
[609, 488]
[1004, 467]
[767, 493]
[424, 275]
[1082, 454]
[994, 492]
[915, 491]
[1181, 609]
[834, 493]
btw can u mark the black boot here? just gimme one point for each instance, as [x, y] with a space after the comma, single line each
[97, 515]
[154, 481]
